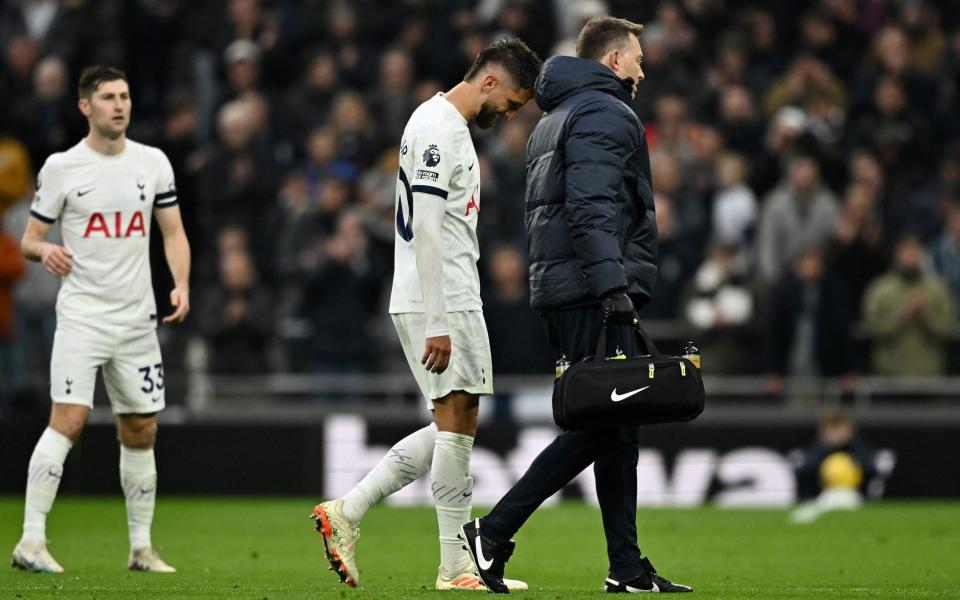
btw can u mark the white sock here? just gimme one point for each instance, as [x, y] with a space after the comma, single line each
[403, 464]
[452, 489]
[138, 476]
[43, 479]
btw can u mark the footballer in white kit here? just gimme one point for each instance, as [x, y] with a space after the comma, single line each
[106, 313]
[436, 308]
[105, 191]
[438, 163]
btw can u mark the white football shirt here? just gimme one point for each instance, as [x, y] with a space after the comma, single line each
[105, 207]
[437, 157]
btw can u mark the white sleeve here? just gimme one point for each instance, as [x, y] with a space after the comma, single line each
[165, 193]
[434, 155]
[50, 196]
[428, 248]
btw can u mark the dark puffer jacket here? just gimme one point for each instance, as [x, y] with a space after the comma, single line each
[590, 220]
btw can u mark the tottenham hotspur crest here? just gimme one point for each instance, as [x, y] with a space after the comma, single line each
[431, 156]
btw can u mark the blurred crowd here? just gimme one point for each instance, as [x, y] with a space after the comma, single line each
[806, 163]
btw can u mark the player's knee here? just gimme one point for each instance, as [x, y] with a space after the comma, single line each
[457, 413]
[68, 420]
[138, 433]
[68, 428]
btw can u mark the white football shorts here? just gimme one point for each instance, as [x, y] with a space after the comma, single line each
[470, 367]
[129, 358]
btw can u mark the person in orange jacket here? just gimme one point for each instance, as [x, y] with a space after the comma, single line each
[12, 268]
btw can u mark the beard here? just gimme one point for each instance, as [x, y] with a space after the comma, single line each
[486, 117]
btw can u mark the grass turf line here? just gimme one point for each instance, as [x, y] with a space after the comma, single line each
[264, 548]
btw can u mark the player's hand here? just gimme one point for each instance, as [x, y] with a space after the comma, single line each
[436, 354]
[180, 300]
[56, 259]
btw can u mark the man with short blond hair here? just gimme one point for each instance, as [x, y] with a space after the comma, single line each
[592, 245]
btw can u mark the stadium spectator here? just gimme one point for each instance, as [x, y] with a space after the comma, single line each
[689, 210]
[719, 306]
[11, 269]
[235, 316]
[51, 26]
[891, 57]
[858, 251]
[242, 61]
[325, 161]
[827, 40]
[34, 302]
[741, 127]
[678, 260]
[356, 135]
[806, 80]
[924, 209]
[800, 213]
[808, 328]
[506, 309]
[48, 117]
[897, 131]
[909, 316]
[835, 470]
[501, 219]
[341, 291]
[237, 183]
[734, 207]
[21, 56]
[393, 99]
[309, 101]
[945, 252]
[836, 433]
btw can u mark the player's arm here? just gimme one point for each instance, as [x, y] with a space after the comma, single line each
[44, 211]
[177, 250]
[55, 259]
[435, 160]
[428, 248]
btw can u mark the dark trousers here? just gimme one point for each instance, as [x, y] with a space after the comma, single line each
[613, 453]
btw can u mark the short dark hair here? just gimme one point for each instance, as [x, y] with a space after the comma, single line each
[92, 77]
[517, 58]
[602, 34]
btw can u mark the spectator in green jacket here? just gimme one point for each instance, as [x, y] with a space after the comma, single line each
[909, 315]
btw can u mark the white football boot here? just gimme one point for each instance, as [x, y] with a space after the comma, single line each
[468, 580]
[147, 559]
[33, 557]
[340, 536]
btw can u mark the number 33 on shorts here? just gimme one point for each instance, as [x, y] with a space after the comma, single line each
[149, 374]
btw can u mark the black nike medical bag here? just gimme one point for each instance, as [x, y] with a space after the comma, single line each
[609, 392]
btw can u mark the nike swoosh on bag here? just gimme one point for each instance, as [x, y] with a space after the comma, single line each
[614, 396]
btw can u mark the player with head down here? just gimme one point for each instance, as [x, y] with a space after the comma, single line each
[436, 308]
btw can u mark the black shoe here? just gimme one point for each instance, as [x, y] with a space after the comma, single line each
[646, 582]
[489, 557]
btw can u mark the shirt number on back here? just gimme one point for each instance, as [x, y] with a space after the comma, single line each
[404, 228]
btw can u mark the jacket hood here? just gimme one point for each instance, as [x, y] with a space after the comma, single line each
[563, 76]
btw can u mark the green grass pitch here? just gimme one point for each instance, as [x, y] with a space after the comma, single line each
[260, 548]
